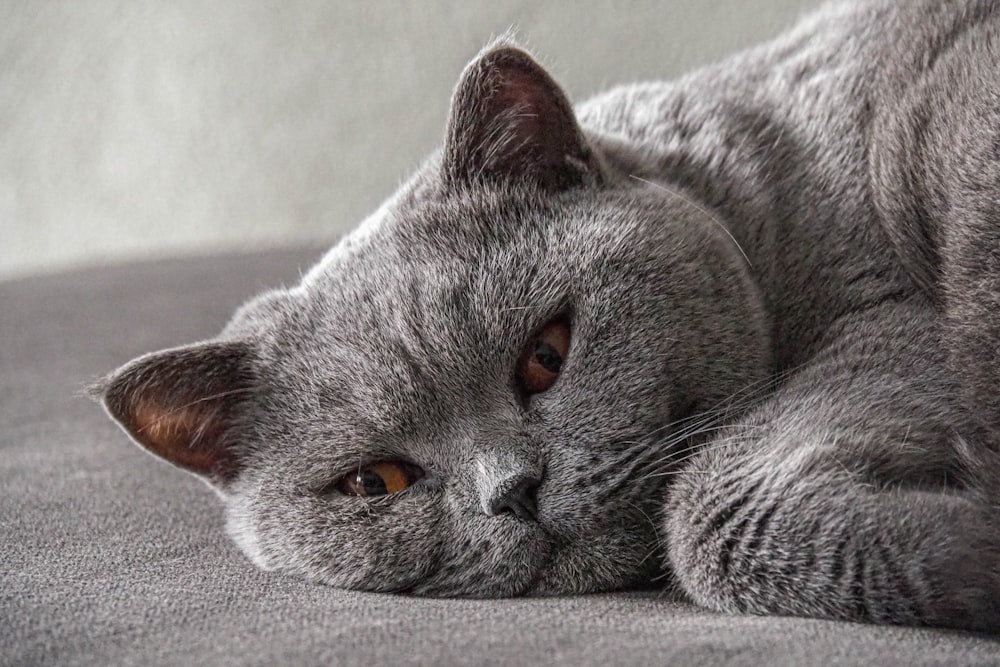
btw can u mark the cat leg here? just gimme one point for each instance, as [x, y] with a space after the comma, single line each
[948, 205]
[970, 286]
[778, 528]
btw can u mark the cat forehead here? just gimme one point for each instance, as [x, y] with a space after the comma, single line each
[469, 224]
[387, 287]
[437, 249]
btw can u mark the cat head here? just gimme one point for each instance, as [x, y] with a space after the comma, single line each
[476, 392]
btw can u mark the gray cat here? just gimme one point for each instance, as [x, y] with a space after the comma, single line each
[737, 332]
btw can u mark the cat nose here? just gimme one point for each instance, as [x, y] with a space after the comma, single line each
[517, 495]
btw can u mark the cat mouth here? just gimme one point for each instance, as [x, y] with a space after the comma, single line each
[550, 555]
[512, 569]
[568, 571]
[539, 564]
[604, 558]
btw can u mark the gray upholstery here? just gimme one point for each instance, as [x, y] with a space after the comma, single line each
[111, 557]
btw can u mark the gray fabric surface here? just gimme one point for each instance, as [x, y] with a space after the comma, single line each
[110, 557]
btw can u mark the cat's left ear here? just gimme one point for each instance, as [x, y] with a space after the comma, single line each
[510, 121]
[186, 405]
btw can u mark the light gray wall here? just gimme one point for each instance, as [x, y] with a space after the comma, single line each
[144, 128]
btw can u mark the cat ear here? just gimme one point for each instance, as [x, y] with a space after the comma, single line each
[510, 121]
[185, 405]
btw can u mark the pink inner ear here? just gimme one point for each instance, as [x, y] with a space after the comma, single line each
[510, 121]
[534, 117]
[181, 404]
[175, 434]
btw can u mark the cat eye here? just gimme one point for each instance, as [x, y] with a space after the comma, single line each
[380, 479]
[543, 358]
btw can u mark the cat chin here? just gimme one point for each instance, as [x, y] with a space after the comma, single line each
[543, 567]
[579, 571]
[552, 567]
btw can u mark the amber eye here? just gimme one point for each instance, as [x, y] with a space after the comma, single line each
[379, 479]
[540, 363]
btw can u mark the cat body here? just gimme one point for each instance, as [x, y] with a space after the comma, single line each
[736, 332]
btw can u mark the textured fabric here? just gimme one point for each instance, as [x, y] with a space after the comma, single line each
[110, 557]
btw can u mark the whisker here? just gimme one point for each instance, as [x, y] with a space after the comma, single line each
[687, 200]
[663, 453]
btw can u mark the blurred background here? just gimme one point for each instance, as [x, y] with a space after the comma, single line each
[133, 129]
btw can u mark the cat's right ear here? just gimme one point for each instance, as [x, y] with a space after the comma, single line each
[510, 121]
[186, 405]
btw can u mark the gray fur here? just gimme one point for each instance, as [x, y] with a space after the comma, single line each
[783, 278]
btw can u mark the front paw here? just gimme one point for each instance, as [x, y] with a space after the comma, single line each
[714, 532]
[826, 547]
